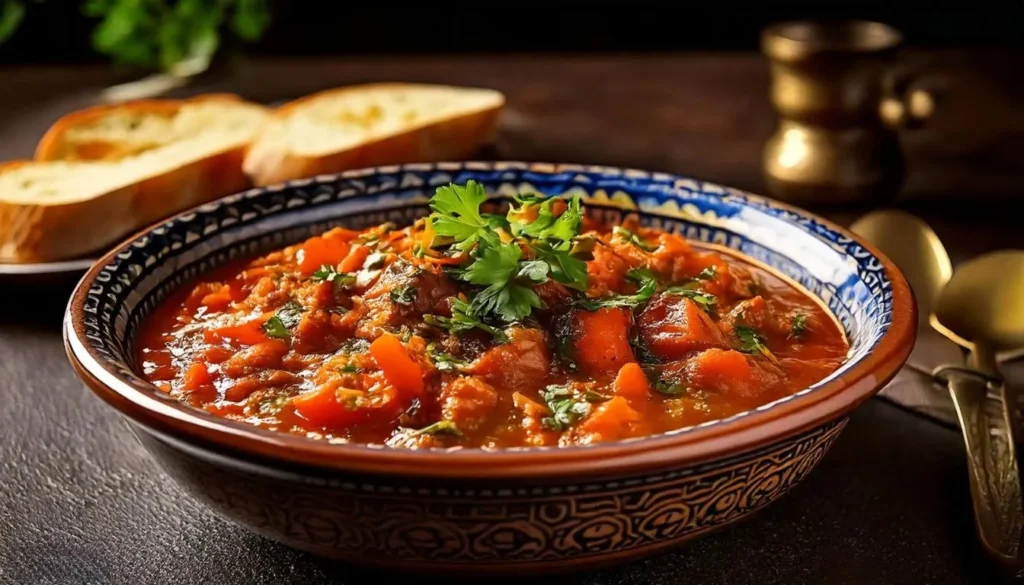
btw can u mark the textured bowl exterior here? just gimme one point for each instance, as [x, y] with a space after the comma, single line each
[470, 510]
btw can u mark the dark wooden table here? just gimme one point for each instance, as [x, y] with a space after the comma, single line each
[81, 503]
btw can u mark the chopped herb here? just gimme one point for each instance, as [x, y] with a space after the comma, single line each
[463, 320]
[441, 427]
[354, 345]
[566, 410]
[632, 237]
[595, 396]
[751, 341]
[445, 362]
[545, 226]
[418, 251]
[644, 278]
[704, 300]
[329, 273]
[403, 295]
[566, 267]
[351, 369]
[669, 388]
[338, 310]
[284, 321]
[798, 325]
[509, 293]
[709, 273]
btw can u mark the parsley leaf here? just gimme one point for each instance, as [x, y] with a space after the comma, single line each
[462, 319]
[327, 272]
[648, 285]
[565, 408]
[704, 300]
[669, 388]
[798, 325]
[284, 320]
[709, 273]
[508, 294]
[456, 213]
[403, 295]
[632, 238]
[751, 341]
[564, 268]
[445, 362]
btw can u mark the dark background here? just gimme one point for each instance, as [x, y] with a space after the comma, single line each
[55, 32]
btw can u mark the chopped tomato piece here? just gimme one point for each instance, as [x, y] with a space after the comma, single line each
[672, 326]
[249, 333]
[724, 370]
[355, 259]
[601, 339]
[197, 376]
[319, 251]
[610, 421]
[467, 401]
[400, 370]
[631, 382]
[328, 405]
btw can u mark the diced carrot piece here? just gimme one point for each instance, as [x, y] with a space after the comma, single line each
[601, 339]
[355, 258]
[319, 251]
[529, 406]
[327, 405]
[612, 420]
[399, 369]
[724, 370]
[197, 376]
[218, 299]
[672, 326]
[249, 333]
[631, 382]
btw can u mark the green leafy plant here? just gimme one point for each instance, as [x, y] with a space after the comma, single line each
[175, 36]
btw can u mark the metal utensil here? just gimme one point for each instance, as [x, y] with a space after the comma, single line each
[981, 309]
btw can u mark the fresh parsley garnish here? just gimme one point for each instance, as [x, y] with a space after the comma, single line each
[669, 388]
[403, 295]
[648, 285]
[350, 369]
[509, 293]
[563, 265]
[462, 319]
[751, 341]
[632, 237]
[565, 408]
[798, 325]
[709, 273]
[445, 362]
[456, 213]
[285, 319]
[374, 261]
[329, 273]
[545, 225]
[704, 300]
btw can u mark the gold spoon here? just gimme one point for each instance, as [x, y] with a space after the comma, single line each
[981, 309]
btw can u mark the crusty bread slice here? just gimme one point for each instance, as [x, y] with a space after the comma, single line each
[370, 125]
[105, 172]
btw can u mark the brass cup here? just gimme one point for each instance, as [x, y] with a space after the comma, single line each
[840, 94]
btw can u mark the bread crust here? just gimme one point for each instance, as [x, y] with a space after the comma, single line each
[453, 138]
[47, 233]
[41, 232]
[54, 145]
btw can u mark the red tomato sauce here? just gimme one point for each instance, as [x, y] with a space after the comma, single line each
[354, 336]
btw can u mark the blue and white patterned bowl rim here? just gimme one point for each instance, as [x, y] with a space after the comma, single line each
[848, 278]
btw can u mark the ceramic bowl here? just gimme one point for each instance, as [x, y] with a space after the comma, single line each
[472, 511]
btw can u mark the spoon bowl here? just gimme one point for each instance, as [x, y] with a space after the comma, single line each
[983, 303]
[912, 245]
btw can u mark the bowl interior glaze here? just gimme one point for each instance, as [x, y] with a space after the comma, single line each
[864, 292]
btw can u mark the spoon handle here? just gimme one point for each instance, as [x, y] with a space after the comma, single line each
[995, 483]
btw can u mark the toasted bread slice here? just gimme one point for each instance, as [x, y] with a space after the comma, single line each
[105, 172]
[370, 125]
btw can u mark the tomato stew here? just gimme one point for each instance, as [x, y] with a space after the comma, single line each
[469, 329]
